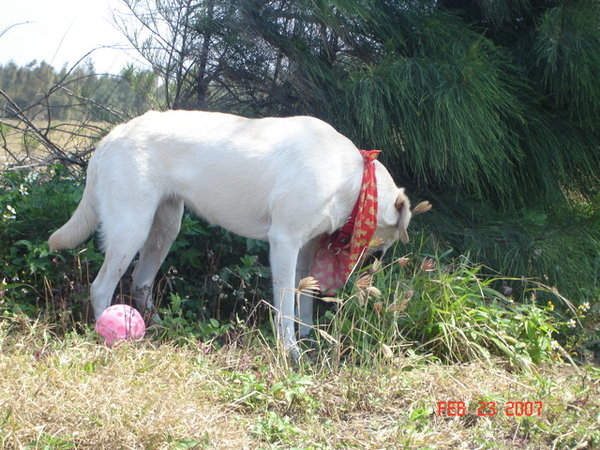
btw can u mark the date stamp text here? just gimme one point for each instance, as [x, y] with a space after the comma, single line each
[519, 408]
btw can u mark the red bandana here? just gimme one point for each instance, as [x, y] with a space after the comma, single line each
[339, 252]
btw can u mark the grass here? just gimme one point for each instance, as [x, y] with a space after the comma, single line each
[74, 392]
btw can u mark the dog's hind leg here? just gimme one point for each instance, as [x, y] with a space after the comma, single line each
[284, 251]
[305, 308]
[125, 227]
[119, 254]
[165, 227]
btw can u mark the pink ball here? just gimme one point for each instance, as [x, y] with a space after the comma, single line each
[120, 322]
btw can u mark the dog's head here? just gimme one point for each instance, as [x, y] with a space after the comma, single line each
[393, 217]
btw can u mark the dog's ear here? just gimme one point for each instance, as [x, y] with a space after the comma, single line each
[422, 207]
[403, 207]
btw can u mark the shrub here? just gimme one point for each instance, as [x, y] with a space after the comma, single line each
[32, 204]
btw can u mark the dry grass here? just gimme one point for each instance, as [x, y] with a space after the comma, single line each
[75, 393]
[24, 144]
[130, 397]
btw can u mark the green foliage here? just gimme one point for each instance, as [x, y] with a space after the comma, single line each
[464, 101]
[32, 203]
[261, 389]
[179, 325]
[524, 244]
[566, 58]
[229, 272]
[274, 429]
[445, 309]
[143, 84]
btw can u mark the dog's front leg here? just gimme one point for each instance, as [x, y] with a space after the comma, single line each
[305, 308]
[283, 256]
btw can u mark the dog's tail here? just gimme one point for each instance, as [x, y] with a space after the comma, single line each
[82, 223]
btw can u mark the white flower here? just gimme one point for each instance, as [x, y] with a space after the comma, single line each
[23, 190]
[571, 323]
[12, 213]
[555, 345]
[31, 177]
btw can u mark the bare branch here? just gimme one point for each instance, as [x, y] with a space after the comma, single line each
[8, 28]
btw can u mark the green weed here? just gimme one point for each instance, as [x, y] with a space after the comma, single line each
[445, 309]
[274, 429]
[179, 324]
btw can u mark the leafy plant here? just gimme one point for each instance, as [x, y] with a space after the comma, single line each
[275, 429]
[448, 310]
[36, 282]
[260, 389]
[179, 324]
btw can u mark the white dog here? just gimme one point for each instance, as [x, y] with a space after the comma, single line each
[285, 180]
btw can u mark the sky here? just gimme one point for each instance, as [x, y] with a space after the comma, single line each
[61, 32]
